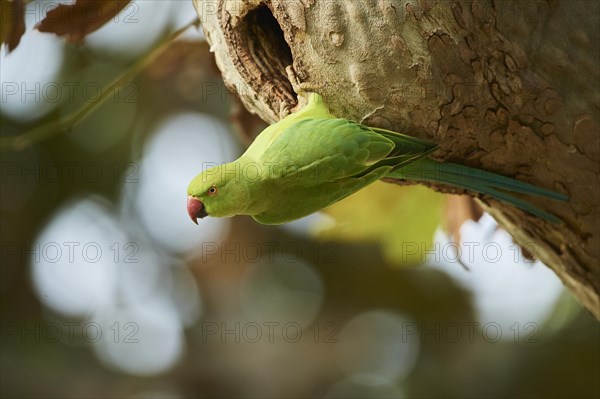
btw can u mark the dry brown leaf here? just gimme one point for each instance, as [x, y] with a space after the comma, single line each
[76, 21]
[459, 209]
[13, 22]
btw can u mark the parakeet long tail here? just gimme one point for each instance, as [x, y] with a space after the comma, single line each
[478, 181]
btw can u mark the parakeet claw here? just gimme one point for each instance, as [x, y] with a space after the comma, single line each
[196, 209]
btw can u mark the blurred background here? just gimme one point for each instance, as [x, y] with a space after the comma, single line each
[108, 290]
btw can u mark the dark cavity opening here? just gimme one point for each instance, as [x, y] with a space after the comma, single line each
[265, 55]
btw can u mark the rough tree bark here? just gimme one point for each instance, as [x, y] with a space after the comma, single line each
[507, 86]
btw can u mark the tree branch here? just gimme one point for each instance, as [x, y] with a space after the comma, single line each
[54, 127]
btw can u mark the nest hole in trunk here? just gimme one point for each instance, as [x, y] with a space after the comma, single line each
[264, 54]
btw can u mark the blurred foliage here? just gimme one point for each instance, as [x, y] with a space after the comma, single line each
[402, 219]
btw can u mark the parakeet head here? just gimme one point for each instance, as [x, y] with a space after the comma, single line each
[217, 192]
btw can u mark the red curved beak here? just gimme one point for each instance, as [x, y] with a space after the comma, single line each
[196, 209]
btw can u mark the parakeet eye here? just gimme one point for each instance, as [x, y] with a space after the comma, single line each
[212, 191]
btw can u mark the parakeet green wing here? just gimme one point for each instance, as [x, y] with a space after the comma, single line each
[303, 200]
[338, 148]
[325, 160]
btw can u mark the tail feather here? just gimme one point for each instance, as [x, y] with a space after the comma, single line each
[478, 181]
[526, 206]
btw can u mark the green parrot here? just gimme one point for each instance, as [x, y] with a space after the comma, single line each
[311, 159]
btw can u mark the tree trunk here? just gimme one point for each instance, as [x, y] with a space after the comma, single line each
[506, 86]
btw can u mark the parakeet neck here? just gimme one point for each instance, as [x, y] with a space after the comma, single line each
[315, 109]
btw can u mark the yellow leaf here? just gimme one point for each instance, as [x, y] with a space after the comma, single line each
[402, 219]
